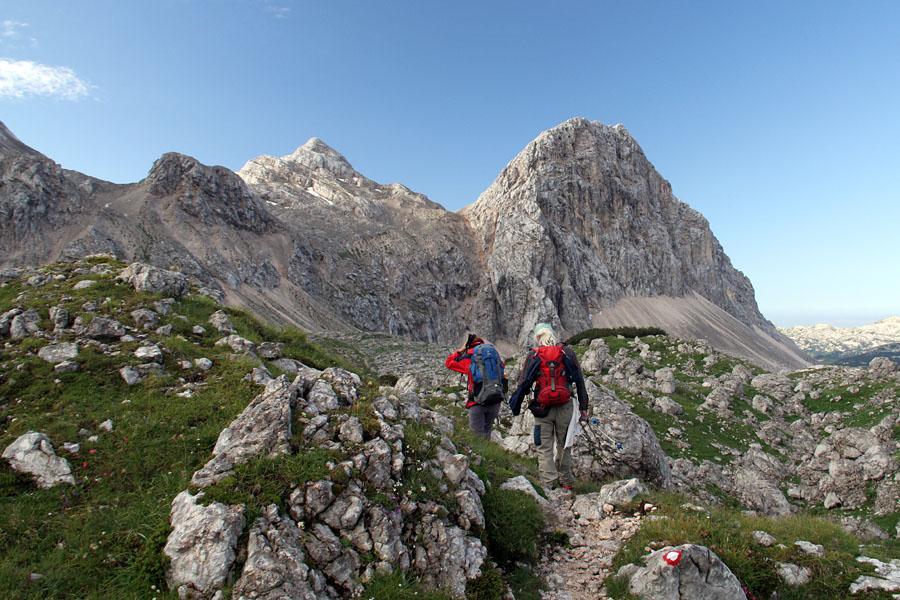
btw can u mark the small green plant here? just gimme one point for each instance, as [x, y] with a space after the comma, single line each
[488, 586]
[513, 525]
[151, 562]
[396, 586]
[628, 332]
[523, 582]
[557, 538]
[268, 480]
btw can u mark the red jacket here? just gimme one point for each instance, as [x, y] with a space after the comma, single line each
[459, 361]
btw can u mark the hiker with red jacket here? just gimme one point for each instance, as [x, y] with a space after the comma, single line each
[553, 369]
[480, 361]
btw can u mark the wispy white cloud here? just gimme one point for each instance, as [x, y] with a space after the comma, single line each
[12, 33]
[278, 9]
[24, 78]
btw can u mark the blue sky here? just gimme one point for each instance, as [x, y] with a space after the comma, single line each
[779, 122]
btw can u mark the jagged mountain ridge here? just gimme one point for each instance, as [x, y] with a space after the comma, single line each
[305, 239]
[828, 340]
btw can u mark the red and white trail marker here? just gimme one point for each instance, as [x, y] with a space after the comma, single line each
[673, 557]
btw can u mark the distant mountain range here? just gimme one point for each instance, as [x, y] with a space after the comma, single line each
[850, 346]
[578, 230]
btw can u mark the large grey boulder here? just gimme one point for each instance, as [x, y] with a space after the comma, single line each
[793, 574]
[238, 344]
[276, 564]
[761, 494]
[620, 493]
[147, 278]
[149, 353]
[665, 380]
[101, 328]
[698, 574]
[24, 324]
[221, 322]
[6, 320]
[60, 318]
[32, 453]
[202, 546]
[270, 350]
[57, 353]
[321, 398]
[263, 428]
[618, 443]
[597, 357]
[882, 366]
[344, 383]
[145, 318]
[777, 386]
[665, 405]
[755, 477]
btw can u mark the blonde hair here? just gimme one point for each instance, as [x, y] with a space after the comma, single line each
[544, 335]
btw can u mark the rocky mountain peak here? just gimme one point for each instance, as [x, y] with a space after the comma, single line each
[317, 155]
[10, 143]
[168, 171]
[215, 195]
[580, 220]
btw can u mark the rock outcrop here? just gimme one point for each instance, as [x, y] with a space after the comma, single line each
[580, 221]
[202, 546]
[32, 453]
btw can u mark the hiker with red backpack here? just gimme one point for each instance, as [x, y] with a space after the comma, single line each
[485, 369]
[553, 369]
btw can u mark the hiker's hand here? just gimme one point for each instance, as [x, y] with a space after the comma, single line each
[583, 415]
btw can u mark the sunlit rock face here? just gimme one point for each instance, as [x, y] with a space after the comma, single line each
[580, 221]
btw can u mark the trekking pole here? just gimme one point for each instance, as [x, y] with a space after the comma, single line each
[596, 423]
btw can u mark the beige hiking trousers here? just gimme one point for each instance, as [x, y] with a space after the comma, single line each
[555, 471]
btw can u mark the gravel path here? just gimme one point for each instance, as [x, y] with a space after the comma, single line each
[577, 572]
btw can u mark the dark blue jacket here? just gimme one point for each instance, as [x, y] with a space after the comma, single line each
[530, 372]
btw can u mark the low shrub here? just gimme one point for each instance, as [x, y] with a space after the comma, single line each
[388, 379]
[397, 587]
[488, 586]
[628, 332]
[513, 526]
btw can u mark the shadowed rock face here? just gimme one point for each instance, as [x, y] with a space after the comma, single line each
[574, 225]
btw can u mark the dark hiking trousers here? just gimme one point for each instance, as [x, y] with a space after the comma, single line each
[481, 419]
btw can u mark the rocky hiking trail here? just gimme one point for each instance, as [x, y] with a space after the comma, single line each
[577, 570]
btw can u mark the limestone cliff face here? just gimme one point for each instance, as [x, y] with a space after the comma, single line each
[580, 220]
[36, 199]
[578, 230]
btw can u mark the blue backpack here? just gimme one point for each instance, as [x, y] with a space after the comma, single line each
[486, 368]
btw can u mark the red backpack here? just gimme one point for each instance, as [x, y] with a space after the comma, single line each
[552, 383]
